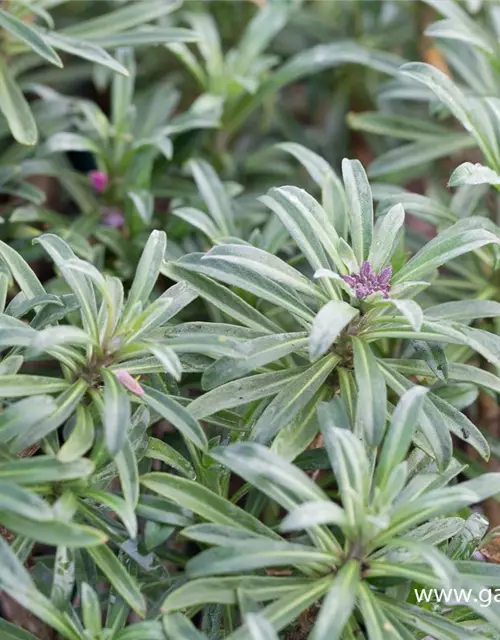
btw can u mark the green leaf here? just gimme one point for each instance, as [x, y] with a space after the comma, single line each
[66, 406]
[385, 237]
[144, 204]
[14, 499]
[16, 109]
[254, 554]
[223, 298]
[464, 310]
[213, 193]
[292, 398]
[55, 532]
[177, 415]
[469, 173]
[91, 609]
[116, 412]
[159, 450]
[223, 590]
[419, 153]
[51, 337]
[267, 265]
[275, 477]
[198, 219]
[236, 273]
[19, 417]
[122, 89]
[410, 309]
[240, 392]
[394, 126]
[128, 17]
[307, 223]
[208, 505]
[80, 284]
[16, 582]
[10, 631]
[128, 472]
[30, 36]
[44, 469]
[81, 437]
[148, 269]
[461, 426]
[261, 351]
[460, 106]
[176, 625]
[311, 514]
[144, 36]
[437, 441]
[62, 141]
[465, 235]
[400, 432]
[117, 505]
[348, 459]
[209, 43]
[288, 608]
[259, 627]
[338, 604]
[217, 534]
[149, 630]
[86, 50]
[263, 27]
[328, 324]
[468, 31]
[298, 434]
[374, 618]
[14, 386]
[359, 199]
[314, 60]
[371, 404]
[119, 577]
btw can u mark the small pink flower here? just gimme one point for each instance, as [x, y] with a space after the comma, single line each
[99, 180]
[129, 382]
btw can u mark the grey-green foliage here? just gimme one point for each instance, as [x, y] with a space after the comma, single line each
[391, 534]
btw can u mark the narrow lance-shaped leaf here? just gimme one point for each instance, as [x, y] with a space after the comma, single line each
[400, 432]
[327, 326]
[15, 108]
[465, 235]
[385, 236]
[117, 412]
[359, 198]
[30, 36]
[371, 405]
[338, 604]
[212, 191]
[148, 269]
[175, 413]
[299, 391]
[119, 577]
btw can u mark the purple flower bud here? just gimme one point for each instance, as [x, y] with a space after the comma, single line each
[366, 269]
[99, 180]
[112, 217]
[367, 282]
[385, 275]
[129, 382]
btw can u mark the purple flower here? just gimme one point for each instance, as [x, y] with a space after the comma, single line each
[367, 281]
[99, 180]
[112, 217]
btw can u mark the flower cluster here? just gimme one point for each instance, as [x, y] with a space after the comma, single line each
[367, 281]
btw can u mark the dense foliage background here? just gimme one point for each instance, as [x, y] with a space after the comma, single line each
[249, 319]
